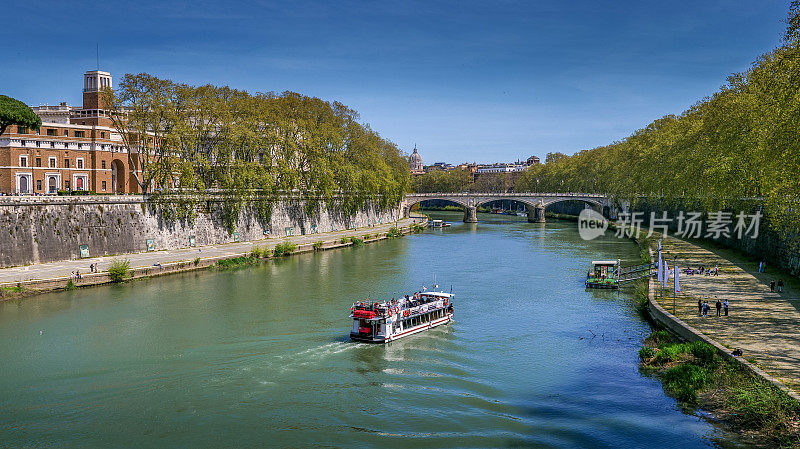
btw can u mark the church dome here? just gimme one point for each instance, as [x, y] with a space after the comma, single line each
[415, 160]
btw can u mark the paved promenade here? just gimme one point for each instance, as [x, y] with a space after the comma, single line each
[765, 325]
[63, 269]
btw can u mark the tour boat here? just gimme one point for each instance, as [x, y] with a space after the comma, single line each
[382, 322]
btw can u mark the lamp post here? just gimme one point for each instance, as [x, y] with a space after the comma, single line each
[674, 283]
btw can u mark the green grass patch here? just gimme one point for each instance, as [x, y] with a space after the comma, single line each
[693, 373]
[236, 262]
[317, 246]
[356, 241]
[70, 286]
[416, 228]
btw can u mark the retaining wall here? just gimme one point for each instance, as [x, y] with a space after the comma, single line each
[48, 229]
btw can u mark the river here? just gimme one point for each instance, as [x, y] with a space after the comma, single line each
[259, 356]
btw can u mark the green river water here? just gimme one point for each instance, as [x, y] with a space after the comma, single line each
[259, 356]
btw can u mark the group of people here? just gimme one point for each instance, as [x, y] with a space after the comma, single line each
[779, 284]
[703, 306]
[701, 270]
[77, 273]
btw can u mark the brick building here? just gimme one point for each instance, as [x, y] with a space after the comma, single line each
[76, 148]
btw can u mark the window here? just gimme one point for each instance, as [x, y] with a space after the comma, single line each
[79, 162]
[52, 163]
[102, 135]
[66, 133]
[66, 163]
[104, 186]
[38, 162]
[102, 164]
[23, 161]
[38, 184]
[52, 144]
[22, 130]
[51, 132]
[80, 146]
[37, 143]
[80, 134]
[66, 184]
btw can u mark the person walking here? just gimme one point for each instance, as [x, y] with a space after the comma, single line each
[705, 309]
[719, 307]
[725, 305]
[772, 285]
[700, 307]
[780, 285]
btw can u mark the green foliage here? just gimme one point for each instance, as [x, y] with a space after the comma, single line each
[684, 381]
[15, 112]
[416, 228]
[356, 241]
[253, 147]
[119, 270]
[70, 286]
[646, 353]
[284, 249]
[258, 252]
[344, 240]
[393, 233]
[317, 246]
[196, 261]
[367, 236]
[236, 262]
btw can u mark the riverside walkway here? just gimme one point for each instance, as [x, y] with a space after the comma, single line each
[63, 269]
[765, 325]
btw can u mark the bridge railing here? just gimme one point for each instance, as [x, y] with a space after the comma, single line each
[508, 195]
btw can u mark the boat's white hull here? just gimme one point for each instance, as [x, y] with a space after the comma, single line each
[404, 333]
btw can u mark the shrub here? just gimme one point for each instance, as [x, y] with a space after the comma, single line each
[196, 261]
[417, 228]
[70, 285]
[284, 249]
[646, 353]
[367, 236]
[705, 354]
[119, 270]
[394, 232]
[356, 241]
[344, 240]
[258, 252]
[317, 246]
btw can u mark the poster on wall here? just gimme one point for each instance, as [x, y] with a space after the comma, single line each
[235, 236]
[192, 241]
[84, 251]
[151, 245]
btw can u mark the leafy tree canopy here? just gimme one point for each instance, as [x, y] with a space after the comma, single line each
[15, 112]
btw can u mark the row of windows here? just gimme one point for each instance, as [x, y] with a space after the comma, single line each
[53, 184]
[52, 162]
[80, 146]
[425, 318]
[54, 132]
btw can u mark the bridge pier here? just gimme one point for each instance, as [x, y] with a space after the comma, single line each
[470, 214]
[536, 214]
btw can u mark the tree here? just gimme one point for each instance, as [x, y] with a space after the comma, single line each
[15, 112]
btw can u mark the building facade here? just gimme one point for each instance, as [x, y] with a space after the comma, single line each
[415, 163]
[76, 149]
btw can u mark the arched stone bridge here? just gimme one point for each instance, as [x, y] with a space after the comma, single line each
[535, 202]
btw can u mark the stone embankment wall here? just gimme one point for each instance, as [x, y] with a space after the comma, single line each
[47, 229]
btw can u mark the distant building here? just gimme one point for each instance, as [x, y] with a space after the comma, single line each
[415, 162]
[499, 168]
[439, 166]
[533, 160]
[76, 148]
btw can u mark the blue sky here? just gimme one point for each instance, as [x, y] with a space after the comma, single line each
[466, 81]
